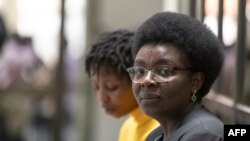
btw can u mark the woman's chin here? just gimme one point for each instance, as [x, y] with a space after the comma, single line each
[117, 115]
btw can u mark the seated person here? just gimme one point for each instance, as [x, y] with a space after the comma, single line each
[177, 59]
[106, 65]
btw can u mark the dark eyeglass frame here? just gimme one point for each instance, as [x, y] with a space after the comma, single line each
[156, 77]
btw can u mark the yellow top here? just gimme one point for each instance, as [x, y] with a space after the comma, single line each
[137, 127]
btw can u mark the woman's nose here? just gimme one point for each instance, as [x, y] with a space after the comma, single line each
[148, 80]
[102, 96]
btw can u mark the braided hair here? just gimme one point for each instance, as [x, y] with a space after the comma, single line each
[111, 50]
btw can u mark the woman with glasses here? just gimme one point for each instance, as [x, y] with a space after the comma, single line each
[176, 61]
[106, 65]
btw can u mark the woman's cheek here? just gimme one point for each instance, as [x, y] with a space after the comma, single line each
[136, 89]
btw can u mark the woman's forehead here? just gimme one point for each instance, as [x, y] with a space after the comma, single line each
[161, 53]
[103, 70]
[107, 72]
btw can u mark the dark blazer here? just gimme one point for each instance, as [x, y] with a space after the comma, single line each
[198, 125]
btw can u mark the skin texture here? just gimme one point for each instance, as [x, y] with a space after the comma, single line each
[169, 101]
[113, 92]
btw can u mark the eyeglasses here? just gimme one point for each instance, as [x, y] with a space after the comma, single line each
[160, 73]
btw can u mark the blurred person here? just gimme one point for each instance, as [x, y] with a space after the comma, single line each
[3, 34]
[12, 67]
[177, 59]
[15, 58]
[106, 65]
[18, 72]
[21, 74]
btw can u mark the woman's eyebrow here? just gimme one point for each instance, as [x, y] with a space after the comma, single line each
[139, 62]
[164, 62]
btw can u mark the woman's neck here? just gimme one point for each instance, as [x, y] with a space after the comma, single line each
[171, 123]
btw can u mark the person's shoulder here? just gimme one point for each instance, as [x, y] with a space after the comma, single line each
[124, 130]
[207, 121]
[204, 123]
[127, 123]
[205, 130]
[198, 125]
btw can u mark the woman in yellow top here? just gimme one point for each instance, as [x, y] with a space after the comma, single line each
[106, 65]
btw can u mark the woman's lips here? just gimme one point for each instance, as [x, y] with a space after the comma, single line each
[108, 109]
[149, 97]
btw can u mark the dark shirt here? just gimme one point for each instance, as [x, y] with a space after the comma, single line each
[198, 125]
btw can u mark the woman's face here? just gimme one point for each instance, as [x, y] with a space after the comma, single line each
[114, 92]
[158, 99]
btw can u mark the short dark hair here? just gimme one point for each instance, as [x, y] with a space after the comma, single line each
[112, 50]
[201, 46]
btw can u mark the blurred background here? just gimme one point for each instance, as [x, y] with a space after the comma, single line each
[45, 93]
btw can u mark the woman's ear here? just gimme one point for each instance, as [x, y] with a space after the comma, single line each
[197, 81]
